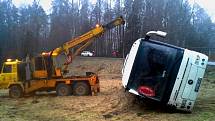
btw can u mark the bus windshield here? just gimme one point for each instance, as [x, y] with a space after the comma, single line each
[153, 68]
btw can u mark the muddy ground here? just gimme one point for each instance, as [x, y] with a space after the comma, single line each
[112, 103]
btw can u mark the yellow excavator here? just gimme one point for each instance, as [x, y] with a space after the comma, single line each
[40, 73]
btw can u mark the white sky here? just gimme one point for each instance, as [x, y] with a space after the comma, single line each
[46, 4]
[208, 5]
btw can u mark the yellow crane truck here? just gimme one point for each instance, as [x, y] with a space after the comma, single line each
[41, 73]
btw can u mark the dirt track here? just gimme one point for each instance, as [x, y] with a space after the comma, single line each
[111, 104]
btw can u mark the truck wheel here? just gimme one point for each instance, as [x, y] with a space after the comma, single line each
[81, 89]
[15, 91]
[63, 89]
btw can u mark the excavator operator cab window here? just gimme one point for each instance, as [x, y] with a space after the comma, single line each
[39, 63]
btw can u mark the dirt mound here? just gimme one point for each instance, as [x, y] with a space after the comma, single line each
[105, 68]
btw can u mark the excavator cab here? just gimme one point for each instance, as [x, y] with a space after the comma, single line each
[44, 68]
[40, 67]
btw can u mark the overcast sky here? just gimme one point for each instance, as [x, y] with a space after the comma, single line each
[208, 5]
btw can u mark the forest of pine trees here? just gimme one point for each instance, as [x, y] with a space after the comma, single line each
[30, 29]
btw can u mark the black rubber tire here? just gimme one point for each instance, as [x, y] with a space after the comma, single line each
[63, 89]
[81, 88]
[15, 91]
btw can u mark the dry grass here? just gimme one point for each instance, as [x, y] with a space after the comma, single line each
[111, 104]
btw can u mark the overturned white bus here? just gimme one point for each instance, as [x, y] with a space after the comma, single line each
[164, 73]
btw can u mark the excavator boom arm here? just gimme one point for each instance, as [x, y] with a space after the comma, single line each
[78, 40]
[89, 35]
[85, 39]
